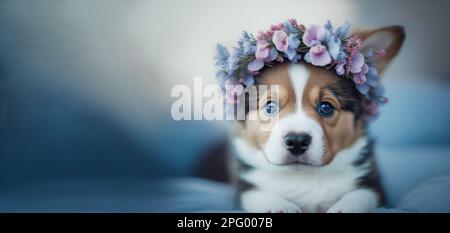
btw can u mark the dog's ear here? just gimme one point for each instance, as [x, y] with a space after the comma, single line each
[390, 39]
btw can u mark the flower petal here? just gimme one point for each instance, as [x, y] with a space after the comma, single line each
[273, 54]
[255, 65]
[340, 68]
[293, 41]
[290, 53]
[249, 80]
[279, 40]
[262, 54]
[363, 88]
[357, 61]
[343, 31]
[319, 55]
[372, 80]
[334, 46]
[313, 34]
[359, 78]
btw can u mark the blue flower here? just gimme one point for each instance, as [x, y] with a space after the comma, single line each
[334, 46]
[232, 64]
[247, 44]
[342, 31]
[222, 55]
[328, 26]
[293, 43]
[363, 88]
[372, 71]
[249, 80]
[289, 28]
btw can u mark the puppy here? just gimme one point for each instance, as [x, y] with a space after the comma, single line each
[316, 155]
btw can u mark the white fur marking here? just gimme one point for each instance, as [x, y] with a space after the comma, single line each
[299, 77]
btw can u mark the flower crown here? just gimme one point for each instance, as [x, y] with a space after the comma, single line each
[318, 45]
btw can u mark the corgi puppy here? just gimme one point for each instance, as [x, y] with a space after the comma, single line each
[317, 156]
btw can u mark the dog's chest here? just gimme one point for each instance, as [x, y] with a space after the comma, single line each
[311, 191]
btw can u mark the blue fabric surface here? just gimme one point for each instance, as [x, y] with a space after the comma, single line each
[175, 195]
[106, 195]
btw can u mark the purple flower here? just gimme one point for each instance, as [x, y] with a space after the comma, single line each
[276, 27]
[313, 35]
[356, 62]
[273, 54]
[340, 70]
[255, 65]
[280, 40]
[319, 55]
[262, 50]
[293, 22]
[360, 77]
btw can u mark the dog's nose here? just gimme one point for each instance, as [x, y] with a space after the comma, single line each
[297, 143]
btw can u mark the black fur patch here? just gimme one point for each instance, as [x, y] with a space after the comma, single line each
[242, 168]
[240, 185]
[349, 97]
[371, 179]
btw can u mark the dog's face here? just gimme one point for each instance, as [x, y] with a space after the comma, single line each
[318, 115]
[313, 113]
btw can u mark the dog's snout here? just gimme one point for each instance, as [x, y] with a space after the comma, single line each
[297, 143]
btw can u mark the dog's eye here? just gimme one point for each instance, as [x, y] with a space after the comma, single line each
[272, 108]
[325, 109]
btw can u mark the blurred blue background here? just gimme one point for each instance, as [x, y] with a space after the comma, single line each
[85, 101]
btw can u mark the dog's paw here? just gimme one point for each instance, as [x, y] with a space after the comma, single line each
[282, 206]
[359, 201]
[344, 207]
[263, 202]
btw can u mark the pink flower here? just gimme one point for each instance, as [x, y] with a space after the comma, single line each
[356, 62]
[360, 77]
[262, 50]
[280, 40]
[293, 22]
[313, 35]
[354, 44]
[381, 53]
[277, 27]
[340, 69]
[319, 55]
